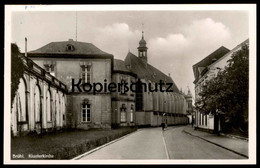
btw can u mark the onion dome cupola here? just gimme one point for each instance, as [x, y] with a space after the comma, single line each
[142, 49]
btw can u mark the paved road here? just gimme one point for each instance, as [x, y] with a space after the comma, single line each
[183, 146]
[152, 143]
[144, 144]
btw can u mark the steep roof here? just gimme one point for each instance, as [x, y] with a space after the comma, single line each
[81, 48]
[147, 71]
[119, 65]
[217, 54]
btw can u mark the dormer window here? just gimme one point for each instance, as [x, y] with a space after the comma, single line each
[70, 47]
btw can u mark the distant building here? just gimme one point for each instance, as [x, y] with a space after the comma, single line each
[204, 71]
[189, 106]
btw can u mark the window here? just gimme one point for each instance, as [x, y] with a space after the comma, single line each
[85, 74]
[48, 106]
[139, 97]
[70, 47]
[131, 92]
[122, 88]
[132, 113]
[85, 113]
[123, 113]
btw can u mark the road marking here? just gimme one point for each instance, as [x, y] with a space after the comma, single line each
[166, 151]
[102, 146]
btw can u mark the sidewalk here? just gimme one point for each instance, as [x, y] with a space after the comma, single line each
[237, 146]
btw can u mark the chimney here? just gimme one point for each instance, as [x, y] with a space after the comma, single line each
[25, 51]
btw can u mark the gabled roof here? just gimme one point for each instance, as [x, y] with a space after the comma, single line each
[147, 71]
[217, 54]
[78, 48]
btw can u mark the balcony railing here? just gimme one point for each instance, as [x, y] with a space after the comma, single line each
[31, 66]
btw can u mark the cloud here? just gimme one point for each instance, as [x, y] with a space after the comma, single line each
[176, 53]
[206, 32]
[116, 39]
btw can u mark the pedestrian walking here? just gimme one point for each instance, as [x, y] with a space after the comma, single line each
[192, 122]
[163, 126]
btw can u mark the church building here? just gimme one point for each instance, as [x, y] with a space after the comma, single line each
[58, 66]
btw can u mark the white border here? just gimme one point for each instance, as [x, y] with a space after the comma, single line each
[251, 8]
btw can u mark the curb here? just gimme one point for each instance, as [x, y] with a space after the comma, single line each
[217, 144]
[234, 136]
[102, 146]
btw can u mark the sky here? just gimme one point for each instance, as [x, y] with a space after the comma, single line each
[176, 40]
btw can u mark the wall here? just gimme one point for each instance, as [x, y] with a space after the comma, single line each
[100, 112]
[67, 69]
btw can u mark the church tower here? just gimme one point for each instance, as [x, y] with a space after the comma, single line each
[142, 49]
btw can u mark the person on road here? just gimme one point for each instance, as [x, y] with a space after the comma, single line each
[163, 125]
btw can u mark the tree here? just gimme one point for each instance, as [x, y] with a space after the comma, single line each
[17, 69]
[228, 91]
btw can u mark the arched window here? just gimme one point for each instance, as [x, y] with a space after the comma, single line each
[63, 107]
[123, 113]
[21, 101]
[37, 104]
[70, 47]
[132, 113]
[48, 106]
[57, 105]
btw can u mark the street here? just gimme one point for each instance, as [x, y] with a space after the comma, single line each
[153, 143]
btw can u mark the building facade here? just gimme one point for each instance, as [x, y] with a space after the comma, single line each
[123, 102]
[189, 106]
[152, 108]
[205, 70]
[58, 91]
[79, 63]
[40, 102]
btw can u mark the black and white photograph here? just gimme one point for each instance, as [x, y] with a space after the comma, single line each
[122, 84]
